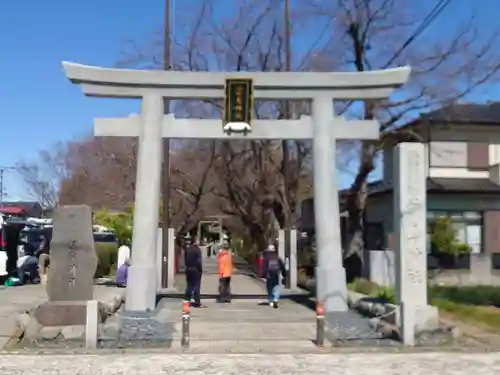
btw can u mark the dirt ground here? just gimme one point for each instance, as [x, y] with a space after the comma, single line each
[475, 333]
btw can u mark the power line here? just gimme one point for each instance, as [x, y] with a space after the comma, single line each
[426, 22]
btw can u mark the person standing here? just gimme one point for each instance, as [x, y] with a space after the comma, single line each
[194, 269]
[272, 268]
[225, 263]
[122, 274]
[43, 259]
[27, 266]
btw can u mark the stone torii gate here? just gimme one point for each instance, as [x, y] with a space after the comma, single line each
[153, 86]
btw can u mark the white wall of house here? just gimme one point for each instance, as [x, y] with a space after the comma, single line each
[446, 155]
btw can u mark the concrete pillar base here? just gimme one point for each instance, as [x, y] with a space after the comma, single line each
[141, 288]
[332, 288]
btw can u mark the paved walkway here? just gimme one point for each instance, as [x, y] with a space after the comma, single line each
[248, 322]
[16, 300]
[352, 364]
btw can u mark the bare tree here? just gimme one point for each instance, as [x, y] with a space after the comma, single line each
[446, 67]
[250, 175]
[192, 184]
[44, 176]
[102, 173]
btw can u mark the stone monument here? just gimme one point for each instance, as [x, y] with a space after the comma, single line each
[238, 89]
[73, 261]
[410, 234]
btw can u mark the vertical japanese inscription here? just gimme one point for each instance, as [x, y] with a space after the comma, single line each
[72, 245]
[414, 218]
[238, 104]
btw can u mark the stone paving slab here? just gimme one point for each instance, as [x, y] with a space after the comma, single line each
[240, 285]
[256, 364]
[17, 300]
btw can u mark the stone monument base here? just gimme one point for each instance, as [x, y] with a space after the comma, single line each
[426, 318]
[65, 313]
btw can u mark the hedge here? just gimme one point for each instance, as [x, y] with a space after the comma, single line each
[107, 254]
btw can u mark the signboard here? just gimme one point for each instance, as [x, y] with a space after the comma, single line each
[238, 103]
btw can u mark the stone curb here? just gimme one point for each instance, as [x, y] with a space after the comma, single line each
[25, 319]
[382, 315]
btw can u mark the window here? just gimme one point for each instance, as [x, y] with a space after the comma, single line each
[468, 224]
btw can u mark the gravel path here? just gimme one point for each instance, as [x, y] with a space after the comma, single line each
[349, 364]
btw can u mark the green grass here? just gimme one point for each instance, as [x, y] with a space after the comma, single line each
[469, 313]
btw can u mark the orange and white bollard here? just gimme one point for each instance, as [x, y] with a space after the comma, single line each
[186, 320]
[320, 323]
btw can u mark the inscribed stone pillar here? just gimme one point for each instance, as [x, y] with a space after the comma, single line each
[141, 286]
[410, 239]
[330, 274]
[73, 259]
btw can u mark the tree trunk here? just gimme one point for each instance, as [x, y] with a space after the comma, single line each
[356, 204]
[353, 260]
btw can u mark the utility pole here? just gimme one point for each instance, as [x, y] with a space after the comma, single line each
[2, 170]
[166, 159]
[286, 151]
[2, 192]
[286, 108]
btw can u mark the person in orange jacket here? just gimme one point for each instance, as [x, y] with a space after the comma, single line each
[225, 262]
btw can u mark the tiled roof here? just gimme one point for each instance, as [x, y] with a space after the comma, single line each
[480, 185]
[441, 185]
[25, 205]
[467, 113]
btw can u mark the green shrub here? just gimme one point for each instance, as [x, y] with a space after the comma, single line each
[480, 295]
[107, 254]
[444, 239]
[119, 222]
[364, 286]
[385, 294]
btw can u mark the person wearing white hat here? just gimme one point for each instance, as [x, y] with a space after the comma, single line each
[272, 267]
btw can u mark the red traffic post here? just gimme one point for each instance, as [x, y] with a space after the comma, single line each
[186, 320]
[320, 323]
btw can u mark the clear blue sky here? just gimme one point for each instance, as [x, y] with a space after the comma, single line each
[38, 105]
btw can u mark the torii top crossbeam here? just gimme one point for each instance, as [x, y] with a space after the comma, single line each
[127, 83]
